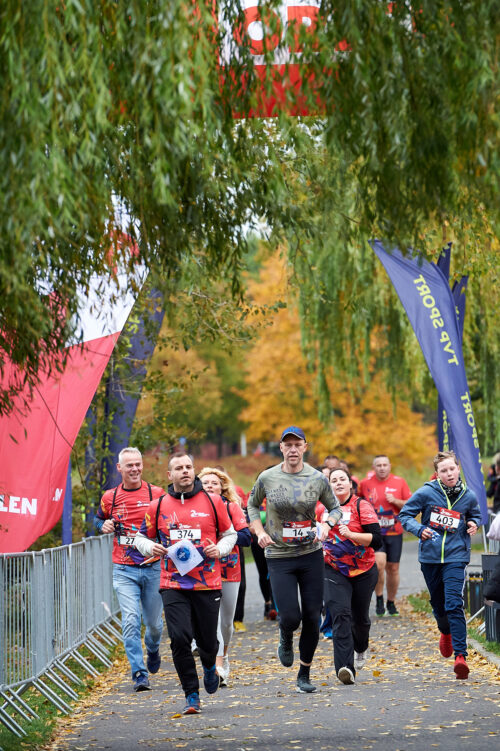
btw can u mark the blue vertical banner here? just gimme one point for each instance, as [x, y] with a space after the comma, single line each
[123, 398]
[429, 303]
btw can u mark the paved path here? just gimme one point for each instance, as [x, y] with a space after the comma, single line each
[406, 698]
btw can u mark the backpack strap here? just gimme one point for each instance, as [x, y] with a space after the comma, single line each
[113, 502]
[157, 516]
[217, 530]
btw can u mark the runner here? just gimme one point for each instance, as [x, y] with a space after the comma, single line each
[215, 481]
[136, 584]
[293, 547]
[194, 532]
[387, 493]
[450, 515]
[350, 576]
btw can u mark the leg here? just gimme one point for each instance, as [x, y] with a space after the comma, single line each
[283, 576]
[453, 582]
[152, 607]
[362, 590]
[394, 548]
[433, 578]
[178, 616]
[127, 587]
[205, 606]
[227, 609]
[338, 596]
[311, 584]
[239, 613]
[380, 560]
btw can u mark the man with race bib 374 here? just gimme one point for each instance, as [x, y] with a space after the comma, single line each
[387, 493]
[292, 543]
[450, 514]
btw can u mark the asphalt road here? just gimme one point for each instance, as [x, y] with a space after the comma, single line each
[406, 698]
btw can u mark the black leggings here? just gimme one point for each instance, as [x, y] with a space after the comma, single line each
[289, 576]
[239, 613]
[262, 568]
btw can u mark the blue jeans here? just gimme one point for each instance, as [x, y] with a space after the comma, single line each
[137, 590]
[445, 582]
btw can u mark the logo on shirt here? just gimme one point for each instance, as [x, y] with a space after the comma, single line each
[198, 513]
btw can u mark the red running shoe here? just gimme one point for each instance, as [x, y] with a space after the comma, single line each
[445, 645]
[461, 668]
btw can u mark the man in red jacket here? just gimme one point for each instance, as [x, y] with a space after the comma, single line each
[135, 582]
[191, 530]
[387, 493]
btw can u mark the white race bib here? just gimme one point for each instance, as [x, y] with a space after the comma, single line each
[126, 540]
[346, 517]
[386, 521]
[296, 531]
[187, 533]
[444, 519]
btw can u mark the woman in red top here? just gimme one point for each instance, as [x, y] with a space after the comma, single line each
[350, 576]
[218, 482]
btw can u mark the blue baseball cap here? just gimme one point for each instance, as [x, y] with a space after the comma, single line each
[293, 430]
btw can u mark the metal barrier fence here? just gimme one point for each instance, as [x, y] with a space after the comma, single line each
[53, 603]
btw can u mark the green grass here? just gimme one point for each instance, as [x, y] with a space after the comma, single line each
[420, 604]
[40, 731]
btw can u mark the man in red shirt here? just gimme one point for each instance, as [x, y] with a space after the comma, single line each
[387, 493]
[135, 582]
[192, 531]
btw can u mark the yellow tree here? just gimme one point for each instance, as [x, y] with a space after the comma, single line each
[281, 389]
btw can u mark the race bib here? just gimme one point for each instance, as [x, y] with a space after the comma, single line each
[296, 531]
[346, 517]
[444, 519]
[126, 540]
[386, 521]
[186, 533]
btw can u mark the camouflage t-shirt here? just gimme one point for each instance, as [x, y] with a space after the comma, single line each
[290, 508]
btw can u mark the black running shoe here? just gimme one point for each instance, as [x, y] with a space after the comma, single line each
[304, 686]
[379, 607]
[391, 608]
[285, 649]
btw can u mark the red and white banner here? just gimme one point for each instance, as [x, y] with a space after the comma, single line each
[261, 29]
[35, 446]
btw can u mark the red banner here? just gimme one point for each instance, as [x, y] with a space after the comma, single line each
[35, 447]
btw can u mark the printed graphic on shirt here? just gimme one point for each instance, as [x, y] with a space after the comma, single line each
[376, 492]
[345, 555]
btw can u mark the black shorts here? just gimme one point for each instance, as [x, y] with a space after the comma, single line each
[392, 546]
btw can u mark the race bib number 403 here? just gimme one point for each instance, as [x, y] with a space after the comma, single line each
[444, 519]
[296, 531]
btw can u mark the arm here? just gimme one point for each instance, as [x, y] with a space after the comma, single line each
[331, 503]
[254, 503]
[244, 537]
[223, 547]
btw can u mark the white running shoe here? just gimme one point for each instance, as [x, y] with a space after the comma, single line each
[359, 660]
[222, 676]
[346, 676]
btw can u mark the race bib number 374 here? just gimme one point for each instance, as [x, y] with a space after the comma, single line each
[187, 533]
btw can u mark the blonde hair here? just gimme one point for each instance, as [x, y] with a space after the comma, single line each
[228, 489]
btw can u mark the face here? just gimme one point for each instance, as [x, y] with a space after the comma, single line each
[293, 449]
[448, 472]
[212, 484]
[326, 471]
[382, 467]
[181, 474]
[130, 469]
[340, 484]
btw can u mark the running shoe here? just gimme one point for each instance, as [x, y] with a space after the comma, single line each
[445, 645]
[461, 668]
[223, 675]
[346, 676]
[154, 661]
[285, 649]
[304, 686]
[379, 607]
[270, 612]
[210, 680]
[141, 682]
[391, 608]
[327, 634]
[192, 704]
[359, 660]
[239, 626]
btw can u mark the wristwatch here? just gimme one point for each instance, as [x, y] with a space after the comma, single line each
[330, 524]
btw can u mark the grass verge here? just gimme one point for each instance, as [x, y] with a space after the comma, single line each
[40, 731]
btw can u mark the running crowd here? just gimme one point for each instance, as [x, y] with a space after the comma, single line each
[323, 543]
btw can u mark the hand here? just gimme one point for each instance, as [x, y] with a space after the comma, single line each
[264, 540]
[158, 549]
[426, 534]
[323, 531]
[471, 528]
[108, 526]
[211, 550]
[344, 531]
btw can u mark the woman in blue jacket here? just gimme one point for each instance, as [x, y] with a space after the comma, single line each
[450, 515]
